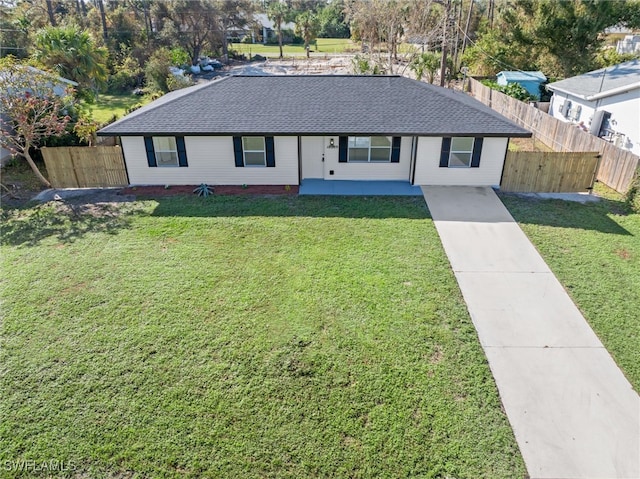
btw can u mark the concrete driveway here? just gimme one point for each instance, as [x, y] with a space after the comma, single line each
[573, 412]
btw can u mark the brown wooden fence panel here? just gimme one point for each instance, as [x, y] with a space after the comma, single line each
[549, 172]
[617, 166]
[84, 167]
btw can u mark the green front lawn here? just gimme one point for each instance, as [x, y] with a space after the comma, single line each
[254, 337]
[594, 250]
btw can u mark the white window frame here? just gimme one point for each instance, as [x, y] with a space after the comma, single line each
[174, 153]
[263, 151]
[369, 148]
[452, 151]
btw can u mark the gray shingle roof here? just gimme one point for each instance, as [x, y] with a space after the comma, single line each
[315, 105]
[608, 79]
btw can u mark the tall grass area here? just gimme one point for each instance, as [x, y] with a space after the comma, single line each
[284, 337]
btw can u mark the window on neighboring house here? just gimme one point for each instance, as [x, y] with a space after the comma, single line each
[165, 151]
[254, 151]
[369, 149]
[461, 152]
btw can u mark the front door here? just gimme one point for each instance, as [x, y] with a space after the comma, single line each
[311, 151]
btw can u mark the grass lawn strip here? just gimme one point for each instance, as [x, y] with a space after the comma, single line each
[594, 251]
[108, 105]
[244, 337]
[323, 46]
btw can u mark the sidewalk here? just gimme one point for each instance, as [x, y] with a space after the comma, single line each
[573, 413]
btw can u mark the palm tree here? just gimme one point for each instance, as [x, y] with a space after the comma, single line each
[427, 63]
[278, 13]
[307, 26]
[73, 54]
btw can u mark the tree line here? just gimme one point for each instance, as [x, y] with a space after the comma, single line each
[120, 44]
[108, 43]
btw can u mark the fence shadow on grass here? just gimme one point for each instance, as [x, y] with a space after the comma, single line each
[63, 221]
[567, 214]
[295, 206]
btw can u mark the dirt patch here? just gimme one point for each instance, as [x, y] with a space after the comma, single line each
[623, 253]
[156, 191]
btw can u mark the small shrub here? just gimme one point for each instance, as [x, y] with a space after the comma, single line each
[157, 69]
[175, 82]
[514, 90]
[632, 197]
[203, 190]
[127, 76]
[362, 66]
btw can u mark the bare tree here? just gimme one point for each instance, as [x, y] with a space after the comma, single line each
[32, 111]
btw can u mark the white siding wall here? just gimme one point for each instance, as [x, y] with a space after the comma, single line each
[367, 171]
[428, 171]
[211, 160]
[624, 109]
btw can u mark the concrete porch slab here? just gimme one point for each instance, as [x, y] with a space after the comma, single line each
[358, 188]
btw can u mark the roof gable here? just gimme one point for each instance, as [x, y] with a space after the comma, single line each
[315, 105]
[523, 76]
[603, 82]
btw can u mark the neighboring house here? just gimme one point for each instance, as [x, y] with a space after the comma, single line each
[260, 29]
[630, 44]
[59, 89]
[605, 101]
[281, 130]
[530, 81]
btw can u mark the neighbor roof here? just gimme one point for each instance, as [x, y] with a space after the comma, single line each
[523, 76]
[601, 83]
[315, 105]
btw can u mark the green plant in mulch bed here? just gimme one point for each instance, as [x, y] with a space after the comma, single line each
[203, 190]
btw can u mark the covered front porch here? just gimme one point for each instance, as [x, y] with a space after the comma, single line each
[358, 188]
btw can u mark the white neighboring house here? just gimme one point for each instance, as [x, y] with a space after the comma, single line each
[59, 89]
[630, 44]
[282, 130]
[606, 102]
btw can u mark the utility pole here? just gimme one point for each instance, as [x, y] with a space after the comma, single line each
[466, 27]
[445, 25]
[490, 12]
[457, 12]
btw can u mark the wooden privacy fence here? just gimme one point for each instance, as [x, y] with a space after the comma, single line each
[617, 166]
[85, 166]
[549, 172]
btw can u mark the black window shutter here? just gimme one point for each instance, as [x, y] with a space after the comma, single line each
[477, 151]
[151, 154]
[444, 154]
[270, 150]
[237, 150]
[182, 151]
[343, 144]
[395, 150]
